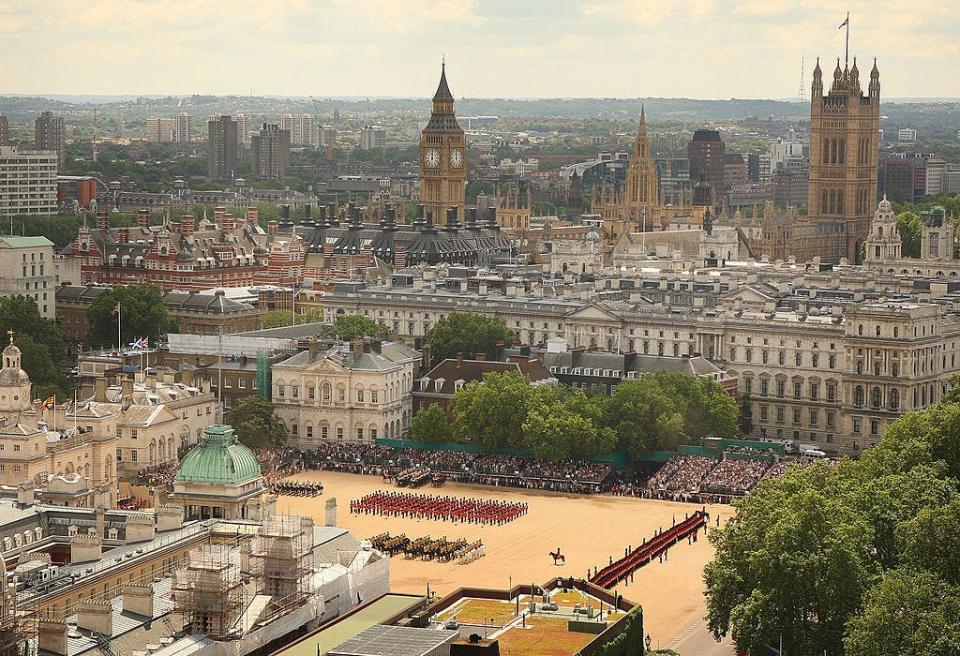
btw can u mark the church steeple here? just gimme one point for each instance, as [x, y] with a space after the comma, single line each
[641, 149]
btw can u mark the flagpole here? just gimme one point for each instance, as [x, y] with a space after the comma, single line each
[119, 342]
[846, 53]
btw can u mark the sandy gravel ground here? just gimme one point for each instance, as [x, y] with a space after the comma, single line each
[588, 530]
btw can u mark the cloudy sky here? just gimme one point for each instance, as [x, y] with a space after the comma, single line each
[502, 48]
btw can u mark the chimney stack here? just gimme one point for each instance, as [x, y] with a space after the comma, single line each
[273, 228]
[103, 220]
[143, 218]
[100, 390]
[253, 215]
[187, 224]
[123, 236]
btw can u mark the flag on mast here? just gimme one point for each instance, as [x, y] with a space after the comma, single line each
[846, 21]
[116, 309]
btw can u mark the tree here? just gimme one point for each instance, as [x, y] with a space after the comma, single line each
[953, 391]
[490, 414]
[910, 228]
[256, 424]
[644, 418]
[706, 407]
[356, 326]
[142, 314]
[43, 350]
[431, 425]
[907, 613]
[467, 333]
[281, 318]
[931, 541]
[563, 423]
[794, 564]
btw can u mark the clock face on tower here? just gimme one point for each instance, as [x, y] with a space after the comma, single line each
[432, 158]
[456, 158]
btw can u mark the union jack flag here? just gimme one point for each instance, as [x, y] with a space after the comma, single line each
[141, 343]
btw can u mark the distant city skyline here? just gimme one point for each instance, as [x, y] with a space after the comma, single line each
[493, 48]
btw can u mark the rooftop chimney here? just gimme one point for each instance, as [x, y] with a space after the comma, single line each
[187, 224]
[143, 218]
[103, 221]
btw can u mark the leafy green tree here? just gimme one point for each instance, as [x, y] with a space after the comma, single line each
[58, 228]
[953, 391]
[281, 318]
[907, 613]
[795, 564]
[910, 227]
[490, 414]
[557, 432]
[467, 333]
[706, 407]
[431, 425]
[256, 424]
[142, 314]
[931, 541]
[355, 326]
[40, 340]
[919, 438]
[644, 417]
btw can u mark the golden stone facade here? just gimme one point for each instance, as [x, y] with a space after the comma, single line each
[636, 206]
[443, 159]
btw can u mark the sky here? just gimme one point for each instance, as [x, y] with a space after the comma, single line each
[493, 48]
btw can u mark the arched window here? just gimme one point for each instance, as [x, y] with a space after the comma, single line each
[325, 392]
[894, 399]
[876, 397]
[858, 396]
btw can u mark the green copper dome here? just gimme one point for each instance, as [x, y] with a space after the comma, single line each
[219, 459]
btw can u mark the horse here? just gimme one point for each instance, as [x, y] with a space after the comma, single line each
[558, 558]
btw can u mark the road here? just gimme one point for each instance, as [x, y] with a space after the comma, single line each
[696, 640]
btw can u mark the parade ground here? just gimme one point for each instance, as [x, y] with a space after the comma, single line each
[589, 530]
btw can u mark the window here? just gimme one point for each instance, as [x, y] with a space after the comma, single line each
[856, 424]
[798, 359]
[780, 414]
[748, 385]
[796, 415]
[764, 386]
[782, 358]
[133, 455]
[895, 399]
[831, 392]
[133, 433]
[858, 396]
[374, 396]
[323, 432]
[833, 361]
[765, 356]
[359, 396]
[339, 433]
[325, 393]
[797, 390]
[763, 412]
[874, 426]
[373, 433]
[814, 391]
[294, 391]
[309, 431]
[813, 417]
[359, 434]
[876, 397]
[781, 387]
[311, 393]
[733, 354]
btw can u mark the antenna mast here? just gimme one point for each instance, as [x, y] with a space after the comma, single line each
[801, 92]
[94, 139]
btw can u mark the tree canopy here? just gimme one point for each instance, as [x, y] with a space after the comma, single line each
[356, 326]
[255, 423]
[43, 350]
[281, 318]
[910, 228]
[431, 425]
[467, 333]
[853, 558]
[142, 312]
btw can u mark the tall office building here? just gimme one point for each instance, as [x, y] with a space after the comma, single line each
[160, 130]
[184, 129]
[28, 181]
[327, 136]
[443, 165]
[29, 270]
[844, 135]
[4, 131]
[372, 137]
[707, 156]
[221, 147]
[271, 151]
[49, 134]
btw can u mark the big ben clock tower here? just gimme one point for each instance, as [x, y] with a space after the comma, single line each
[443, 166]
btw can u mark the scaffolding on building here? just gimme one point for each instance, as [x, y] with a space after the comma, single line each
[281, 560]
[208, 591]
[18, 624]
